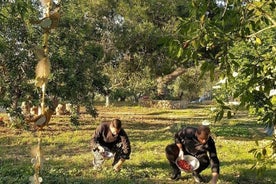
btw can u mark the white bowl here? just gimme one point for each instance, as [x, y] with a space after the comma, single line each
[193, 161]
[107, 154]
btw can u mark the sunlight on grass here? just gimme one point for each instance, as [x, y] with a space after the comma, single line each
[68, 158]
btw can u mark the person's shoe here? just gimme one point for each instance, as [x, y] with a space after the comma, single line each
[97, 168]
[197, 178]
[175, 176]
[116, 169]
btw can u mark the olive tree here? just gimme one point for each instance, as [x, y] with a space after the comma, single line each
[16, 60]
[74, 50]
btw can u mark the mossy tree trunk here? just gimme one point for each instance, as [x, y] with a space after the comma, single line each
[163, 81]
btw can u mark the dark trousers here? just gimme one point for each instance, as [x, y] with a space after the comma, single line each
[172, 152]
[118, 154]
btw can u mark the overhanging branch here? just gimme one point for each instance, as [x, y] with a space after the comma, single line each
[269, 27]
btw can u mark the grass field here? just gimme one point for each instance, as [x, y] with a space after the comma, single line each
[67, 156]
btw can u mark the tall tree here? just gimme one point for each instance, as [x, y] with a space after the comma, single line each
[74, 52]
[15, 54]
[137, 32]
[77, 56]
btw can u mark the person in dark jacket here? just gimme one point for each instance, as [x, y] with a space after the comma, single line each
[198, 143]
[110, 136]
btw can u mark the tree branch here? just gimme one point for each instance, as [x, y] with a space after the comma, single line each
[269, 27]
[267, 16]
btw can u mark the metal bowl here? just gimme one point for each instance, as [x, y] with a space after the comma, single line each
[193, 161]
[107, 154]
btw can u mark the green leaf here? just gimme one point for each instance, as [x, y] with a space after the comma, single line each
[264, 152]
[206, 38]
[252, 150]
[258, 155]
[219, 116]
[229, 114]
[253, 166]
[232, 56]
[272, 5]
[212, 73]
[202, 18]
[180, 52]
[195, 44]
[258, 41]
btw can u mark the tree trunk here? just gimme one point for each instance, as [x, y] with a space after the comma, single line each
[107, 102]
[162, 82]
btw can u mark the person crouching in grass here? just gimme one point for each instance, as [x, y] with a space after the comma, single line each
[110, 137]
[195, 141]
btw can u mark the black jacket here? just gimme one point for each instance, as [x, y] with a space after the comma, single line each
[103, 137]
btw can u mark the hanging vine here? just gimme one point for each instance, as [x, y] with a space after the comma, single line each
[43, 69]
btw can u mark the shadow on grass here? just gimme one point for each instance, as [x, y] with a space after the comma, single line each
[159, 113]
[249, 176]
[239, 131]
[63, 179]
[70, 172]
[80, 172]
[70, 161]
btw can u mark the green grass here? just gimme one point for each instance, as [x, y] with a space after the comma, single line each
[67, 155]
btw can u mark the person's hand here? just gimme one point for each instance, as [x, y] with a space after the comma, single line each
[212, 182]
[101, 149]
[118, 165]
[214, 178]
[181, 154]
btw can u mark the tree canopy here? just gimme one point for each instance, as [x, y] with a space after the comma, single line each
[135, 47]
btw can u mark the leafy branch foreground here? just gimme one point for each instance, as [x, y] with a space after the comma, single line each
[67, 156]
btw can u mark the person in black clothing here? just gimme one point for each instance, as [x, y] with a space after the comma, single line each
[198, 143]
[110, 136]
